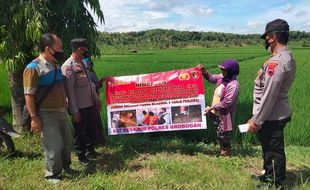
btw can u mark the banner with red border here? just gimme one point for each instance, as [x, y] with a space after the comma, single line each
[165, 101]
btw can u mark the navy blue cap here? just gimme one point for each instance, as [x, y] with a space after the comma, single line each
[276, 25]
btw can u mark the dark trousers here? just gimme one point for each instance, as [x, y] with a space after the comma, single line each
[82, 131]
[272, 141]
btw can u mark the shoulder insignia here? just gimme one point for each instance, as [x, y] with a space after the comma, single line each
[271, 67]
[68, 71]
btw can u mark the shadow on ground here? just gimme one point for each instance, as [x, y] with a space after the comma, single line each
[28, 155]
[141, 147]
[296, 178]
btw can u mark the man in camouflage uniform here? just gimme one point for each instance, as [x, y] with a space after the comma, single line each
[271, 110]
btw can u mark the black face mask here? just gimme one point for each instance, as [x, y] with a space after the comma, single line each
[267, 44]
[86, 54]
[58, 55]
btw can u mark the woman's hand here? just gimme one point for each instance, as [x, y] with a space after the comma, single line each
[207, 110]
[201, 68]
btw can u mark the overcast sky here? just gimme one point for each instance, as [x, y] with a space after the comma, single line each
[239, 16]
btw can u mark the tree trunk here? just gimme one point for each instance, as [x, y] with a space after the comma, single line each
[17, 99]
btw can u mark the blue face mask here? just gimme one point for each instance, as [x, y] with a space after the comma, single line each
[88, 61]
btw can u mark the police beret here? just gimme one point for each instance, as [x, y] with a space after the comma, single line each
[79, 42]
[276, 25]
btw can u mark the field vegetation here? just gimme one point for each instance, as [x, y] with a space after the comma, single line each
[173, 160]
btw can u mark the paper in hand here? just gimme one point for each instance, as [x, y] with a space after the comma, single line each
[243, 128]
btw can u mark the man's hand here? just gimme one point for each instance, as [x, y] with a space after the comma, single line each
[102, 80]
[36, 124]
[98, 105]
[76, 118]
[253, 128]
[2, 114]
[207, 110]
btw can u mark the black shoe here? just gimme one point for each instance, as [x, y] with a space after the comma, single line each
[279, 185]
[83, 159]
[267, 182]
[92, 154]
[71, 171]
[262, 178]
[263, 186]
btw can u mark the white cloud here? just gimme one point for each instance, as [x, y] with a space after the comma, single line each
[255, 24]
[288, 8]
[137, 15]
[167, 5]
[300, 14]
[155, 15]
[193, 11]
[277, 12]
[124, 16]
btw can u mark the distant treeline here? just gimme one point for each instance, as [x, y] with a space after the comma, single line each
[161, 38]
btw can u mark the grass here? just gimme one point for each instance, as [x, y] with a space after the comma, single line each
[136, 162]
[250, 58]
[173, 160]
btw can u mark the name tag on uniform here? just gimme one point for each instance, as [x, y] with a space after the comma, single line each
[82, 75]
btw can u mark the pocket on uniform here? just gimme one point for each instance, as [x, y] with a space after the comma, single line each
[81, 80]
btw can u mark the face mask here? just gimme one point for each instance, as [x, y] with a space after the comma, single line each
[85, 54]
[269, 49]
[58, 55]
[267, 44]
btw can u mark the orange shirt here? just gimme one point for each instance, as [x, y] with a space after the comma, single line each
[153, 120]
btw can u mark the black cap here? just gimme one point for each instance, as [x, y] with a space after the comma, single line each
[79, 42]
[276, 25]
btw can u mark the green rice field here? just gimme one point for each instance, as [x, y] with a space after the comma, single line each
[174, 160]
[250, 58]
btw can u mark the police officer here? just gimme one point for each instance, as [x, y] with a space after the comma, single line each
[271, 110]
[83, 99]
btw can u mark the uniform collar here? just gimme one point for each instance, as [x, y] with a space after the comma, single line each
[76, 62]
[44, 61]
[280, 50]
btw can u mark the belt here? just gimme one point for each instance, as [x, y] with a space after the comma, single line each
[62, 109]
[278, 122]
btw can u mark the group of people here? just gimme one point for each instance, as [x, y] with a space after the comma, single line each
[271, 110]
[76, 82]
[150, 118]
[75, 86]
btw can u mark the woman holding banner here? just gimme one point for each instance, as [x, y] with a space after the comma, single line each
[224, 104]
